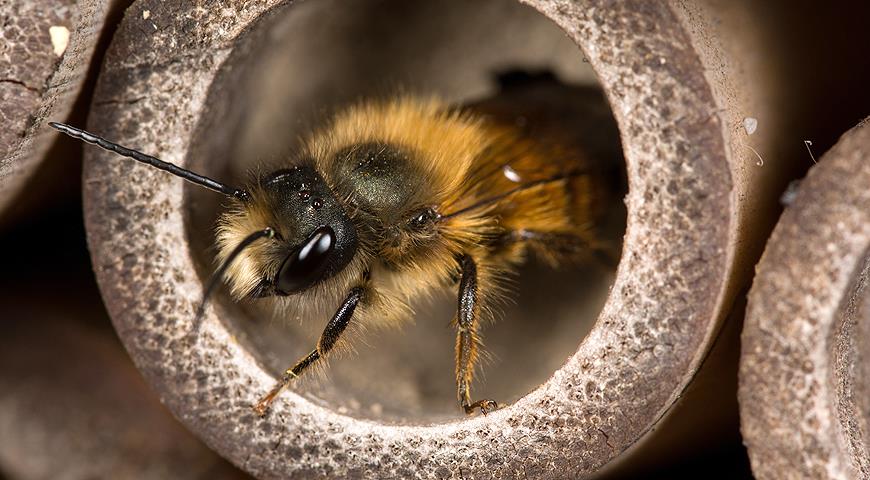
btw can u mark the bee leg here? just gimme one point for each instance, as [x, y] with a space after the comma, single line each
[328, 339]
[467, 340]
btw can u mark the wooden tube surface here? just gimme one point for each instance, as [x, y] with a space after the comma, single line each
[72, 405]
[804, 367]
[45, 51]
[698, 210]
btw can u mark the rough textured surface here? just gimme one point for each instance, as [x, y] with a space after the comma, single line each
[39, 77]
[803, 386]
[674, 286]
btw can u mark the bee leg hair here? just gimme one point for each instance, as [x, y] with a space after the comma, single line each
[467, 340]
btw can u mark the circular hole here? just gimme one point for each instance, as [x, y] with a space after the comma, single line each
[308, 60]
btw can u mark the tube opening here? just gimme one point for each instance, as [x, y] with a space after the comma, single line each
[304, 62]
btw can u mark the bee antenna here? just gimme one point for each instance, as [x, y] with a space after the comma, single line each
[149, 160]
[215, 280]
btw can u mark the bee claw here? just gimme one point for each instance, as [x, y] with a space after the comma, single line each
[261, 409]
[486, 406]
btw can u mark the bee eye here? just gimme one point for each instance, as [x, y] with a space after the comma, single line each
[423, 218]
[306, 264]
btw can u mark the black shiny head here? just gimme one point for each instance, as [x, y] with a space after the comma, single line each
[319, 235]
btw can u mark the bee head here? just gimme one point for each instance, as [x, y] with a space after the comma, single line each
[284, 236]
[310, 235]
[316, 234]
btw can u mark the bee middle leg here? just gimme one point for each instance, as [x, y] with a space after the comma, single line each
[467, 339]
[336, 326]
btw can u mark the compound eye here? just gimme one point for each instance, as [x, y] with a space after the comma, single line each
[423, 218]
[307, 264]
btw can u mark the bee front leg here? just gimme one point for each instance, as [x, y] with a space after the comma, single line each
[467, 338]
[327, 341]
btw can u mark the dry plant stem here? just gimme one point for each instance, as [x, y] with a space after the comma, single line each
[803, 371]
[45, 51]
[680, 270]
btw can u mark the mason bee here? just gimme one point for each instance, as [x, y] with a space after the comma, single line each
[391, 201]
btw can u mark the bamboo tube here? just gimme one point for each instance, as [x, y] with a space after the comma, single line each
[699, 206]
[46, 51]
[72, 405]
[803, 369]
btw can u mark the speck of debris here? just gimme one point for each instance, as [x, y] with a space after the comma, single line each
[790, 193]
[146, 14]
[59, 39]
[750, 124]
[760, 161]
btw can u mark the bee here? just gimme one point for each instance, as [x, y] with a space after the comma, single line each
[389, 202]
